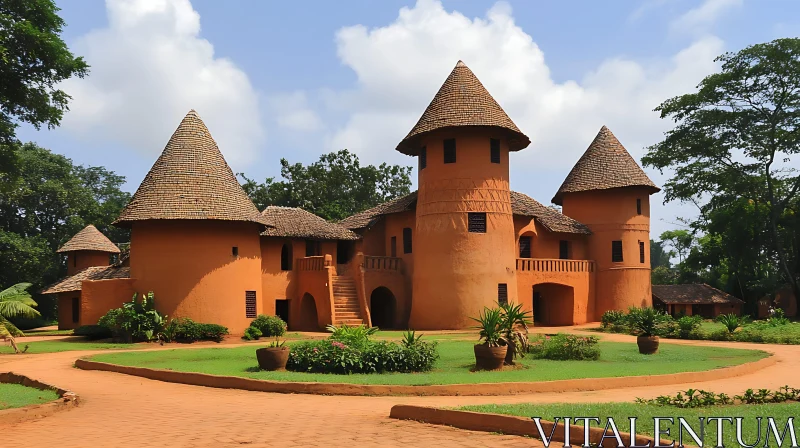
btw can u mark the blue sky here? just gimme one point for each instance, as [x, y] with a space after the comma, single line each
[296, 79]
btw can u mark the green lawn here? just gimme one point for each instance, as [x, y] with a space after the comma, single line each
[17, 396]
[457, 358]
[757, 332]
[621, 412]
[69, 345]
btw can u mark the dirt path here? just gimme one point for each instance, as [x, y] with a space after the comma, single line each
[120, 410]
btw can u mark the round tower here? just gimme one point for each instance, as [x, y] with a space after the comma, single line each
[464, 255]
[195, 234]
[610, 193]
[87, 248]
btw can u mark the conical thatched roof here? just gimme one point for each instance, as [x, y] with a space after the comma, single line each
[605, 164]
[292, 222]
[463, 101]
[190, 180]
[89, 239]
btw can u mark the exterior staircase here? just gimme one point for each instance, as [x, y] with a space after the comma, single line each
[345, 301]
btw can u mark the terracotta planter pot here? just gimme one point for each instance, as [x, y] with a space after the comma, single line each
[489, 358]
[272, 358]
[648, 345]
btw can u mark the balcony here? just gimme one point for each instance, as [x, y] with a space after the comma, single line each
[554, 265]
[375, 263]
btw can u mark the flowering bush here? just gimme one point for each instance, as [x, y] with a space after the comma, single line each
[564, 347]
[332, 356]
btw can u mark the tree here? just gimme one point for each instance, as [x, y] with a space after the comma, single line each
[735, 139]
[51, 201]
[33, 60]
[15, 301]
[658, 255]
[679, 240]
[334, 187]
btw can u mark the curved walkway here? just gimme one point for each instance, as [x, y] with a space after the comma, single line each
[121, 410]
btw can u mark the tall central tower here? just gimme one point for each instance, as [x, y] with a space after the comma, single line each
[464, 241]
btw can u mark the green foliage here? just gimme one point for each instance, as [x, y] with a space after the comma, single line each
[614, 320]
[358, 337]
[15, 301]
[490, 324]
[778, 318]
[251, 334]
[410, 338]
[732, 321]
[93, 332]
[564, 347]
[694, 398]
[276, 343]
[334, 187]
[332, 356]
[187, 330]
[647, 321]
[687, 326]
[514, 326]
[136, 321]
[269, 325]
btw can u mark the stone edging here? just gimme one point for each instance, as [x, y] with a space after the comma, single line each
[508, 424]
[15, 415]
[477, 389]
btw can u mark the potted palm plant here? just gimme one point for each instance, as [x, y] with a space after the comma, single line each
[491, 352]
[649, 323]
[274, 356]
[515, 330]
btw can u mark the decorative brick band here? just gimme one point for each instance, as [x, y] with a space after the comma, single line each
[478, 389]
[15, 415]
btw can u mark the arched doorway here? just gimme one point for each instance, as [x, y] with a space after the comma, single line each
[553, 304]
[382, 306]
[308, 314]
[286, 257]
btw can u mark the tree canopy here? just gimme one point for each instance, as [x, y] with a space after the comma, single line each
[334, 187]
[734, 153]
[33, 60]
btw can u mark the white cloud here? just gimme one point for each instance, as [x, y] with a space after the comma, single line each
[149, 67]
[699, 19]
[292, 111]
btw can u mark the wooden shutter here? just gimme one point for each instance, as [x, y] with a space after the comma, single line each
[476, 222]
[641, 251]
[525, 246]
[250, 304]
[502, 293]
[616, 251]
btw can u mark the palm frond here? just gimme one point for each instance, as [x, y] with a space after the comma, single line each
[10, 328]
[18, 290]
[4, 333]
[17, 309]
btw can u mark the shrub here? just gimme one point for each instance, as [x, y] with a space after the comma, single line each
[777, 318]
[613, 320]
[700, 398]
[352, 336]
[187, 330]
[648, 321]
[732, 321]
[251, 333]
[135, 321]
[332, 356]
[687, 326]
[514, 327]
[92, 332]
[565, 347]
[490, 324]
[269, 325]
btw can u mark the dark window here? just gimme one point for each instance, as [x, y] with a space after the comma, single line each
[641, 251]
[76, 309]
[235, 251]
[450, 150]
[563, 250]
[282, 309]
[250, 304]
[423, 158]
[494, 145]
[407, 240]
[616, 251]
[525, 246]
[477, 222]
[74, 260]
[312, 248]
[286, 257]
[638, 206]
[502, 293]
[393, 246]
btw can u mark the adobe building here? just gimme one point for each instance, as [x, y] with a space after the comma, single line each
[427, 260]
[695, 299]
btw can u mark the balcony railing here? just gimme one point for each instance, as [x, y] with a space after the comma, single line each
[382, 263]
[554, 265]
[311, 263]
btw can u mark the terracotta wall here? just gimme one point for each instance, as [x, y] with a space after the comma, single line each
[400, 287]
[373, 240]
[65, 310]
[456, 272]
[316, 284]
[99, 296]
[275, 283]
[190, 267]
[612, 215]
[82, 259]
[546, 244]
[570, 295]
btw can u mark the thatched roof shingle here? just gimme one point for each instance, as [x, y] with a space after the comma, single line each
[291, 222]
[73, 283]
[89, 239]
[190, 180]
[521, 204]
[606, 164]
[463, 101]
[695, 294]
